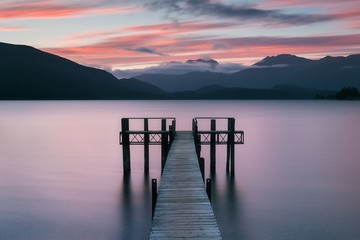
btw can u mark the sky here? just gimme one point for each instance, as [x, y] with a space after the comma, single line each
[137, 34]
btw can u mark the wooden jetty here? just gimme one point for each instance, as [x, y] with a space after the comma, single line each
[183, 210]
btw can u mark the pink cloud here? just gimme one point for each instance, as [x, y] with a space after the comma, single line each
[159, 43]
[350, 18]
[346, 11]
[310, 41]
[12, 28]
[164, 30]
[53, 9]
[127, 50]
[140, 41]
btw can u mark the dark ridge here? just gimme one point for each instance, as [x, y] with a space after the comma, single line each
[282, 59]
[29, 73]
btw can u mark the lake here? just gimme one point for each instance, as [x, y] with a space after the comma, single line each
[297, 175]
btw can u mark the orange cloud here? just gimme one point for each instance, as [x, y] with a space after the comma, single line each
[53, 9]
[12, 28]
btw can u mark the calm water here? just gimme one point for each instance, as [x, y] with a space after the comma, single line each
[297, 176]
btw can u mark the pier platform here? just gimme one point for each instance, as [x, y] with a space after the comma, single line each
[183, 209]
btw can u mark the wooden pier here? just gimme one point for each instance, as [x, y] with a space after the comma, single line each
[183, 210]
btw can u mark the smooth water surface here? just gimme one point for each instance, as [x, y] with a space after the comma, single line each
[297, 176]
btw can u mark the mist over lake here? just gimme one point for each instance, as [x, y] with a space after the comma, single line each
[61, 177]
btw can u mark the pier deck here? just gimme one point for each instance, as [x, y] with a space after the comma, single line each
[183, 210]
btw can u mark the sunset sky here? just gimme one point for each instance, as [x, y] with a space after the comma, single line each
[128, 34]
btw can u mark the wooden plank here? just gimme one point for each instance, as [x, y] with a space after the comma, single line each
[183, 210]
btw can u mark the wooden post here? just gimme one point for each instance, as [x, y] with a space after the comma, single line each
[202, 167]
[208, 188]
[173, 128]
[146, 145]
[228, 148]
[172, 131]
[154, 195]
[126, 145]
[163, 144]
[194, 127]
[232, 145]
[197, 139]
[213, 146]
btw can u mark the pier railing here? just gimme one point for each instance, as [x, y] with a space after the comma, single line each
[221, 137]
[146, 137]
[164, 137]
[213, 137]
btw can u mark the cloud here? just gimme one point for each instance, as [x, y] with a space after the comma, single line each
[147, 50]
[178, 68]
[308, 3]
[4, 28]
[143, 34]
[57, 9]
[345, 11]
[116, 51]
[316, 41]
[181, 27]
[239, 12]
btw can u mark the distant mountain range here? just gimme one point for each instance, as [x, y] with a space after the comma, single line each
[28, 73]
[177, 68]
[329, 73]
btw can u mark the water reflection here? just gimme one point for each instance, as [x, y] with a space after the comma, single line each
[135, 206]
[228, 206]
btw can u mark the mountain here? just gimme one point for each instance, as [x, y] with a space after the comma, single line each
[134, 86]
[183, 82]
[28, 73]
[180, 68]
[282, 60]
[211, 62]
[329, 73]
